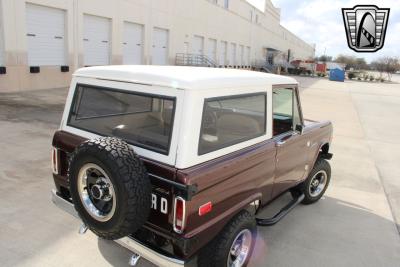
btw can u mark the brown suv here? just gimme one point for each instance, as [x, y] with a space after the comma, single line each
[174, 163]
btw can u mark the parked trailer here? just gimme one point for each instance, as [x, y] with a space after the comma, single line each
[302, 67]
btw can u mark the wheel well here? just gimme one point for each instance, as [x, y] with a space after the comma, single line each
[324, 149]
[324, 152]
[254, 207]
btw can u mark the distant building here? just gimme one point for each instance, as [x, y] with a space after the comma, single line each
[43, 42]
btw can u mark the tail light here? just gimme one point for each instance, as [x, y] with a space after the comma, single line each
[54, 160]
[179, 214]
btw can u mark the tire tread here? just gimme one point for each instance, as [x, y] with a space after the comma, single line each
[121, 159]
[320, 164]
[214, 254]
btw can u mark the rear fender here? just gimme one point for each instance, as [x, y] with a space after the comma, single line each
[209, 230]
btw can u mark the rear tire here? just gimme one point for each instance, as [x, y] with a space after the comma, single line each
[316, 183]
[220, 251]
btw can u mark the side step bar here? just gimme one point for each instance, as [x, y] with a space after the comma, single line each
[282, 213]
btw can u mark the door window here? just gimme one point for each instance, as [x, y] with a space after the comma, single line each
[286, 113]
[296, 112]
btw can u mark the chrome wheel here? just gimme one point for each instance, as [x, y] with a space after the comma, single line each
[317, 183]
[96, 192]
[240, 249]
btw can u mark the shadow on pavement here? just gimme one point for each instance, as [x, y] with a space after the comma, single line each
[321, 234]
[331, 232]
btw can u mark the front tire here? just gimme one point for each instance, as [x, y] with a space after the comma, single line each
[316, 183]
[234, 245]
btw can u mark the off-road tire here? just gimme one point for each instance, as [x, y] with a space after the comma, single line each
[302, 188]
[215, 253]
[128, 177]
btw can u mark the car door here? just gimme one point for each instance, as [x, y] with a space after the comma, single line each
[291, 143]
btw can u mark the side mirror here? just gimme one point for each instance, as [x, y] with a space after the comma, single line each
[299, 128]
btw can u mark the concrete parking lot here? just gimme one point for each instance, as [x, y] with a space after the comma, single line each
[355, 224]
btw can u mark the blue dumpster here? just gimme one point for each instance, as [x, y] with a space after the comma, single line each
[336, 75]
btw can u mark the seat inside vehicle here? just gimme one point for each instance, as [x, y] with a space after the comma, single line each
[226, 127]
[281, 124]
[232, 127]
[147, 128]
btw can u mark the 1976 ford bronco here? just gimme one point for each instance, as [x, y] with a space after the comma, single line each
[174, 163]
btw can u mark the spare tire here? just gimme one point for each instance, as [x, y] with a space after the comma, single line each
[109, 187]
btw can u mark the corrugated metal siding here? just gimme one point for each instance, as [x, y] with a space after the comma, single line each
[133, 43]
[46, 35]
[96, 40]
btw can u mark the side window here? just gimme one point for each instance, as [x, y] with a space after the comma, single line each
[285, 110]
[231, 120]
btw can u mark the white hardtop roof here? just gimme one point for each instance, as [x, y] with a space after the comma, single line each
[183, 77]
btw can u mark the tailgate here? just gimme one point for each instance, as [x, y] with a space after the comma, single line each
[165, 188]
[161, 212]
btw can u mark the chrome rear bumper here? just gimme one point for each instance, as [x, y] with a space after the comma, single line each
[127, 242]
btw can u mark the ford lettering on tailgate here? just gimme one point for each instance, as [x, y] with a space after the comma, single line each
[159, 203]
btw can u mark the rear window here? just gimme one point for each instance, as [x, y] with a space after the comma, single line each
[231, 120]
[140, 119]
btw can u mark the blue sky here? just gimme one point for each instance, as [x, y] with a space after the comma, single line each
[320, 22]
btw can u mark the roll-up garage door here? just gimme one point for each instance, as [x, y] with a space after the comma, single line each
[1, 39]
[232, 60]
[198, 45]
[247, 56]
[133, 43]
[241, 54]
[160, 47]
[46, 35]
[1, 46]
[223, 51]
[96, 40]
[212, 49]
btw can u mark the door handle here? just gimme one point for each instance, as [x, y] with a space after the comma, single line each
[283, 140]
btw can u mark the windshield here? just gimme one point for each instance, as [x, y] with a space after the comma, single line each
[141, 119]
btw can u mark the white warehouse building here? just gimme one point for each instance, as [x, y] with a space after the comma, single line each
[43, 41]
